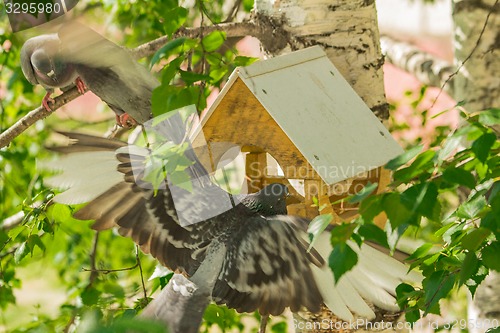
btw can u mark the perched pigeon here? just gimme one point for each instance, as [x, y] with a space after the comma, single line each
[43, 63]
[110, 72]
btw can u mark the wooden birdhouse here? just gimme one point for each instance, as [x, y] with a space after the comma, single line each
[301, 111]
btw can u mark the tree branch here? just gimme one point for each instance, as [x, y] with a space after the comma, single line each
[33, 116]
[268, 31]
[427, 68]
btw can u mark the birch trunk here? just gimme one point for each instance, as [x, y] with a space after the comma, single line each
[478, 84]
[477, 44]
[347, 31]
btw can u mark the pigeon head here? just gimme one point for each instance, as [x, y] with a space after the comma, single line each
[271, 200]
[50, 70]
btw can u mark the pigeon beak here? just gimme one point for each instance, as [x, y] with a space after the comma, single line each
[52, 76]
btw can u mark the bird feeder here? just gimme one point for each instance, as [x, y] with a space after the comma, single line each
[300, 110]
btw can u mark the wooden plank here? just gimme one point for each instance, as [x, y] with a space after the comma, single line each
[241, 120]
[255, 165]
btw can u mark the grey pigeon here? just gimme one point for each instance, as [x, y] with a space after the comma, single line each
[43, 63]
[245, 259]
[110, 72]
[269, 201]
[218, 253]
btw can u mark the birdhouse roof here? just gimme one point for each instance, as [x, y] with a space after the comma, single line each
[319, 112]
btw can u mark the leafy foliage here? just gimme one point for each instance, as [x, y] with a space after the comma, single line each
[467, 232]
[101, 274]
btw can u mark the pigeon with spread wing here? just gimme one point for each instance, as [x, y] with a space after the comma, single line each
[249, 257]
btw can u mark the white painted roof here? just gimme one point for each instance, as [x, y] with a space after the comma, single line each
[319, 111]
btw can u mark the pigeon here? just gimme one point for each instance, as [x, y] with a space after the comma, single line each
[373, 280]
[248, 256]
[248, 261]
[269, 201]
[43, 63]
[110, 72]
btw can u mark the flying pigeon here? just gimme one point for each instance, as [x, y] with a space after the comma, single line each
[248, 257]
[43, 63]
[110, 72]
[250, 262]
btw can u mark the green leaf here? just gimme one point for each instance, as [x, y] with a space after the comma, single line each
[421, 165]
[166, 50]
[471, 209]
[451, 144]
[316, 228]
[90, 296]
[341, 260]
[169, 71]
[374, 233]
[412, 316]
[420, 252]
[191, 77]
[470, 266]
[404, 292]
[160, 271]
[437, 286]
[364, 193]
[490, 254]
[21, 252]
[473, 240]
[213, 41]
[490, 117]
[34, 240]
[481, 147]
[403, 158]
[459, 176]
[181, 179]
[423, 200]
[342, 233]
[396, 211]
[280, 327]
[244, 61]
[371, 207]
[175, 18]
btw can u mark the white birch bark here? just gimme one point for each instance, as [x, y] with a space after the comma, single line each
[348, 32]
[478, 82]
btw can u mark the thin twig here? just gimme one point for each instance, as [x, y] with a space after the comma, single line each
[93, 254]
[468, 57]
[138, 263]
[16, 219]
[109, 271]
[234, 10]
[8, 253]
